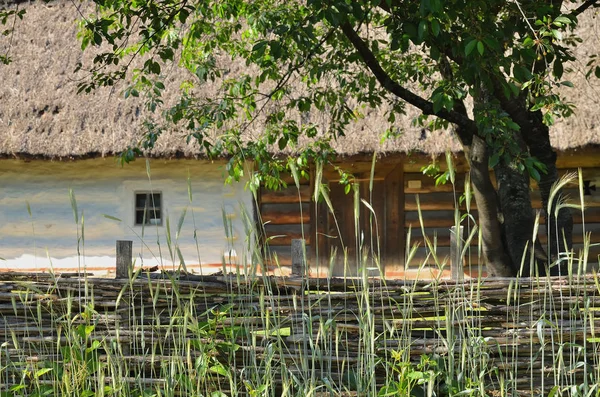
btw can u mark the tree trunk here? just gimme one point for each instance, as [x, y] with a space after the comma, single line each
[517, 216]
[498, 263]
[537, 138]
[559, 229]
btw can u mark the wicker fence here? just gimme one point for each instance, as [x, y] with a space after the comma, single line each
[524, 336]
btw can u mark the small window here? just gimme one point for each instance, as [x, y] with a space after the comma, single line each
[148, 208]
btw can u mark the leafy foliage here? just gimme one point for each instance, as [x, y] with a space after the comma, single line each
[333, 58]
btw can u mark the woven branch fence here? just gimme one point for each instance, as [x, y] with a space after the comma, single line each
[233, 334]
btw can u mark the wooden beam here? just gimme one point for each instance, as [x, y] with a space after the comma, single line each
[285, 214]
[291, 194]
[456, 259]
[587, 157]
[124, 259]
[298, 257]
[394, 218]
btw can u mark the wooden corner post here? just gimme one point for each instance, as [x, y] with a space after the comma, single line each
[456, 245]
[124, 258]
[298, 257]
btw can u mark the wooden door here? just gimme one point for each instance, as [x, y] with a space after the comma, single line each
[366, 227]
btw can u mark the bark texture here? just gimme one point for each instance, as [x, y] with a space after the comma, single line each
[536, 136]
[516, 214]
[497, 261]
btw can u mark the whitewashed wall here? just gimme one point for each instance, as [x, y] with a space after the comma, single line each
[50, 236]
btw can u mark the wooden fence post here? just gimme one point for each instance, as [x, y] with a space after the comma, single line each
[124, 258]
[298, 257]
[456, 261]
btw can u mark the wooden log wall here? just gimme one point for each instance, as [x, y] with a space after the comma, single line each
[522, 336]
[437, 205]
[285, 215]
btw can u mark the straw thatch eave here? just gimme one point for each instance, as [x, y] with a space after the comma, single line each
[42, 117]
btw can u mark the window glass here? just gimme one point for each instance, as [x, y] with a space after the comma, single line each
[148, 209]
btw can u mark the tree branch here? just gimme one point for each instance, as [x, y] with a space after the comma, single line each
[587, 4]
[392, 86]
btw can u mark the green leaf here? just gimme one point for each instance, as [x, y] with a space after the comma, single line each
[435, 27]
[492, 43]
[494, 159]
[183, 15]
[42, 372]
[548, 118]
[597, 71]
[95, 346]
[563, 19]
[557, 34]
[480, 47]
[282, 143]
[534, 173]
[89, 329]
[422, 29]
[275, 49]
[558, 69]
[434, 53]
[410, 29]
[470, 47]
[259, 48]
[219, 369]
[74, 206]
[111, 218]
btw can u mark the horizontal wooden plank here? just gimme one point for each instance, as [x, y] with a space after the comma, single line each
[289, 180]
[416, 161]
[444, 201]
[272, 230]
[428, 183]
[419, 183]
[281, 256]
[285, 214]
[574, 158]
[438, 201]
[431, 218]
[291, 194]
[439, 241]
[592, 215]
[421, 257]
[362, 169]
[583, 157]
[445, 219]
[444, 241]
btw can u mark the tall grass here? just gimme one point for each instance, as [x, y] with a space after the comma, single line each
[244, 334]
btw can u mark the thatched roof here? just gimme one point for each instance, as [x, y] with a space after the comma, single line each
[41, 115]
